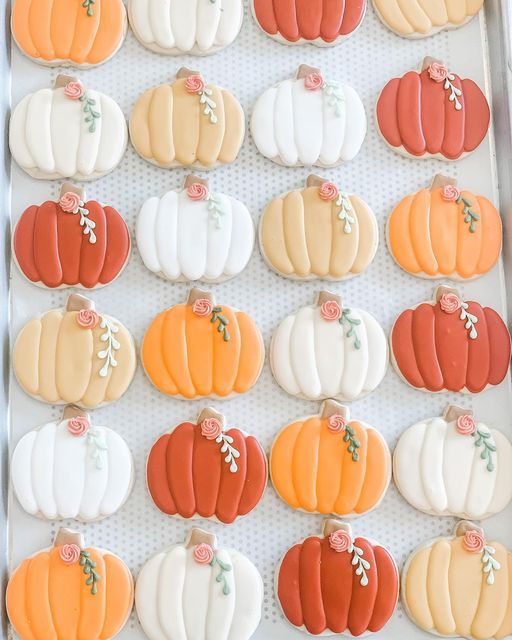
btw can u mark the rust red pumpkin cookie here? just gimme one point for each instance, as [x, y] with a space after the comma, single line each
[433, 113]
[450, 345]
[337, 583]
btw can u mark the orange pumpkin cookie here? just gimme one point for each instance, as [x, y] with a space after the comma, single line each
[445, 232]
[199, 349]
[80, 33]
[70, 592]
[330, 465]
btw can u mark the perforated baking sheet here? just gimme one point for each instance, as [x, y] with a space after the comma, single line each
[381, 177]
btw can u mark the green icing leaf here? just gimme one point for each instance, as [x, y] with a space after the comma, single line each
[223, 323]
[351, 323]
[483, 439]
[221, 577]
[88, 569]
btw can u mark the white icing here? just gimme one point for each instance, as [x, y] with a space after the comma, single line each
[297, 127]
[176, 27]
[179, 239]
[313, 358]
[440, 471]
[50, 138]
[54, 474]
[179, 599]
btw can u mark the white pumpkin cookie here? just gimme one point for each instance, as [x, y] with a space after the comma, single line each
[88, 142]
[195, 234]
[318, 232]
[198, 591]
[326, 350]
[72, 469]
[74, 356]
[309, 121]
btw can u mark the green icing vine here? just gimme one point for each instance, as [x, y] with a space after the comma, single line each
[483, 439]
[469, 319]
[221, 577]
[344, 214]
[223, 323]
[88, 4]
[97, 439]
[470, 217]
[490, 563]
[113, 345]
[335, 95]
[230, 459]
[346, 318]
[89, 567]
[215, 207]
[354, 444]
[90, 114]
[362, 565]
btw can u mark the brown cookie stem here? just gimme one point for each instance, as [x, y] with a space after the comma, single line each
[305, 70]
[199, 294]
[330, 525]
[77, 302]
[328, 296]
[72, 411]
[68, 536]
[466, 525]
[62, 80]
[69, 187]
[200, 536]
[210, 412]
[439, 181]
[192, 179]
[315, 181]
[452, 412]
[185, 72]
[440, 291]
[428, 60]
[333, 408]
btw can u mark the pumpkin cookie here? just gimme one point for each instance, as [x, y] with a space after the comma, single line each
[73, 242]
[78, 33]
[454, 466]
[195, 234]
[450, 345]
[204, 470]
[328, 351]
[194, 27]
[74, 356]
[337, 584]
[198, 590]
[459, 586]
[187, 123]
[328, 464]
[318, 232]
[72, 469]
[433, 113]
[320, 23]
[200, 349]
[308, 120]
[70, 592]
[445, 232]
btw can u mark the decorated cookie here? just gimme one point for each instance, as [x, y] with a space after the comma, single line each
[72, 469]
[329, 464]
[308, 120]
[187, 123]
[433, 113]
[318, 232]
[78, 33]
[73, 242]
[454, 466]
[199, 591]
[337, 584]
[193, 27]
[74, 356]
[205, 470]
[195, 234]
[202, 349]
[445, 232]
[422, 18]
[326, 350]
[70, 591]
[320, 22]
[450, 345]
[459, 586]
[88, 143]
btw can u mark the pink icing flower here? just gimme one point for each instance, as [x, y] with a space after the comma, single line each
[70, 202]
[74, 90]
[314, 81]
[195, 83]
[78, 426]
[202, 307]
[474, 541]
[87, 318]
[466, 425]
[450, 193]
[329, 191]
[450, 303]
[70, 553]
[203, 553]
[197, 191]
[438, 72]
[211, 428]
[340, 541]
[330, 310]
[336, 423]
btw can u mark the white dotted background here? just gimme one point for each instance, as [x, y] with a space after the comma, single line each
[253, 63]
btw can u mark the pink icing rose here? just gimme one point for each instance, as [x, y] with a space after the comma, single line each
[87, 318]
[336, 423]
[195, 83]
[203, 553]
[211, 428]
[474, 541]
[330, 310]
[202, 307]
[466, 425]
[438, 72]
[450, 193]
[340, 541]
[70, 202]
[314, 81]
[78, 426]
[450, 303]
[329, 191]
[70, 553]
[197, 191]
[74, 90]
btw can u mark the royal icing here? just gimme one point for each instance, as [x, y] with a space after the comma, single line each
[181, 593]
[296, 126]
